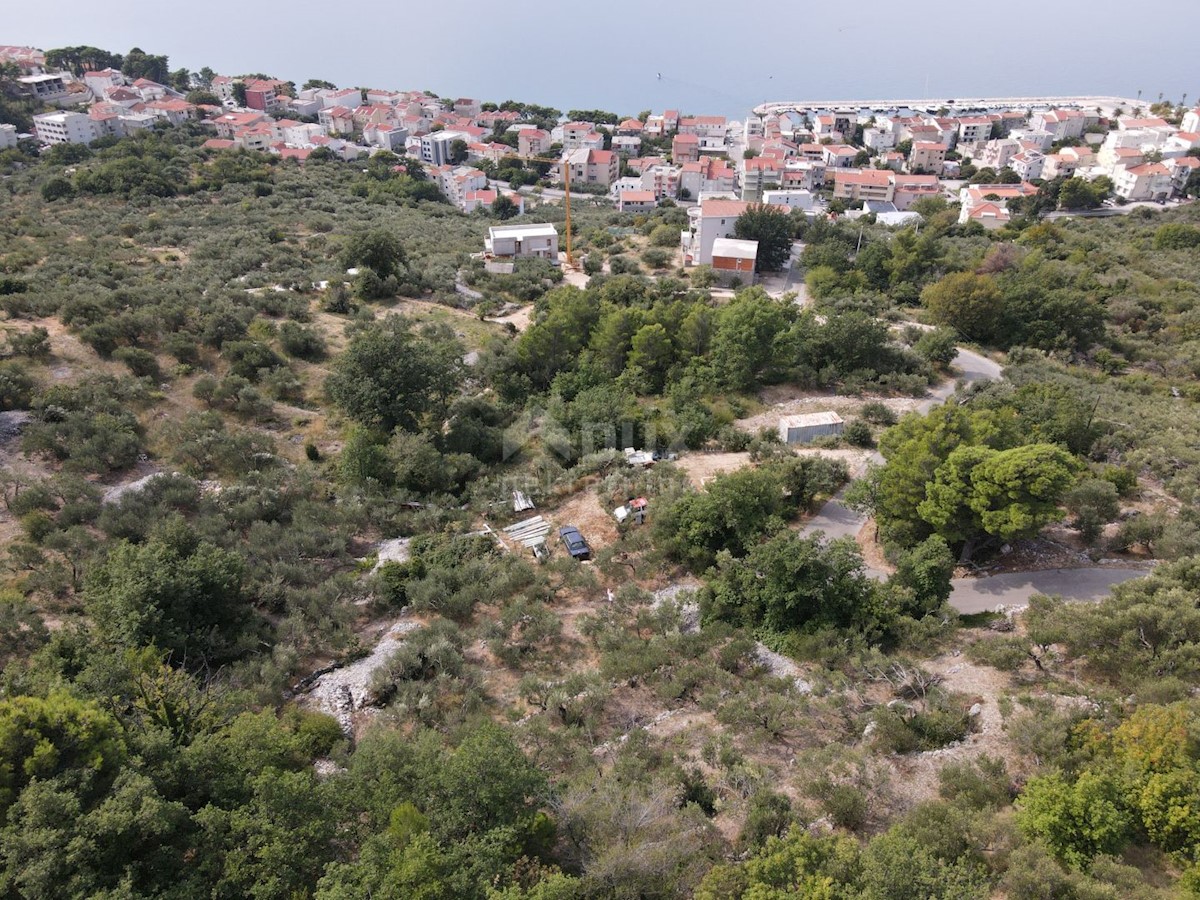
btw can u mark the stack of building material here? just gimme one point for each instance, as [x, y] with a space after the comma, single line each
[530, 534]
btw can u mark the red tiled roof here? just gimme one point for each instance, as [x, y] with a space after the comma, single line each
[988, 210]
[723, 208]
[1004, 191]
[759, 163]
[171, 104]
[873, 177]
[1149, 169]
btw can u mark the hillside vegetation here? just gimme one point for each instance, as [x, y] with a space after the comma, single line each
[262, 423]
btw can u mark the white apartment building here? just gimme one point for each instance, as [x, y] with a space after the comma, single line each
[626, 144]
[1149, 181]
[974, 129]
[576, 135]
[47, 88]
[303, 107]
[299, 134]
[663, 180]
[927, 156]
[435, 146]
[878, 140]
[707, 176]
[348, 97]
[711, 220]
[1044, 140]
[101, 81]
[791, 199]
[600, 167]
[66, 128]
[996, 154]
[759, 174]
[1181, 169]
[1028, 164]
[1061, 124]
[533, 142]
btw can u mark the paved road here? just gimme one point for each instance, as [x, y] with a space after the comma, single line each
[971, 368]
[972, 595]
[835, 518]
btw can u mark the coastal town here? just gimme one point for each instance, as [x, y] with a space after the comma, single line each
[991, 158]
[778, 484]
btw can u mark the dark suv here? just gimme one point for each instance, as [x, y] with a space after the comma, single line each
[574, 542]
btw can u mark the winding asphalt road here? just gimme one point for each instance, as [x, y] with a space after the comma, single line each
[973, 595]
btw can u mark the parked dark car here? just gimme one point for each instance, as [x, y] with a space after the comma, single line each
[574, 542]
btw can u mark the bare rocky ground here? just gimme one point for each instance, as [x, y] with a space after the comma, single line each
[393, 550]
[345, 691]
[137, 480]
[782, 667]
[682, 593]
[701, 468]
[917, 773]
[520, 319]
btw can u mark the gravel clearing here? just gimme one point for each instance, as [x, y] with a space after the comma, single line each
[782, 667]
[344, 691]
[394, 550]
[117, 491]
[684, 594]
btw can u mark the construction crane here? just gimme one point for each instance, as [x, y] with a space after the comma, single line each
[566, 166]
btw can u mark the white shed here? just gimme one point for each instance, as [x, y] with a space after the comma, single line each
[804, 428]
